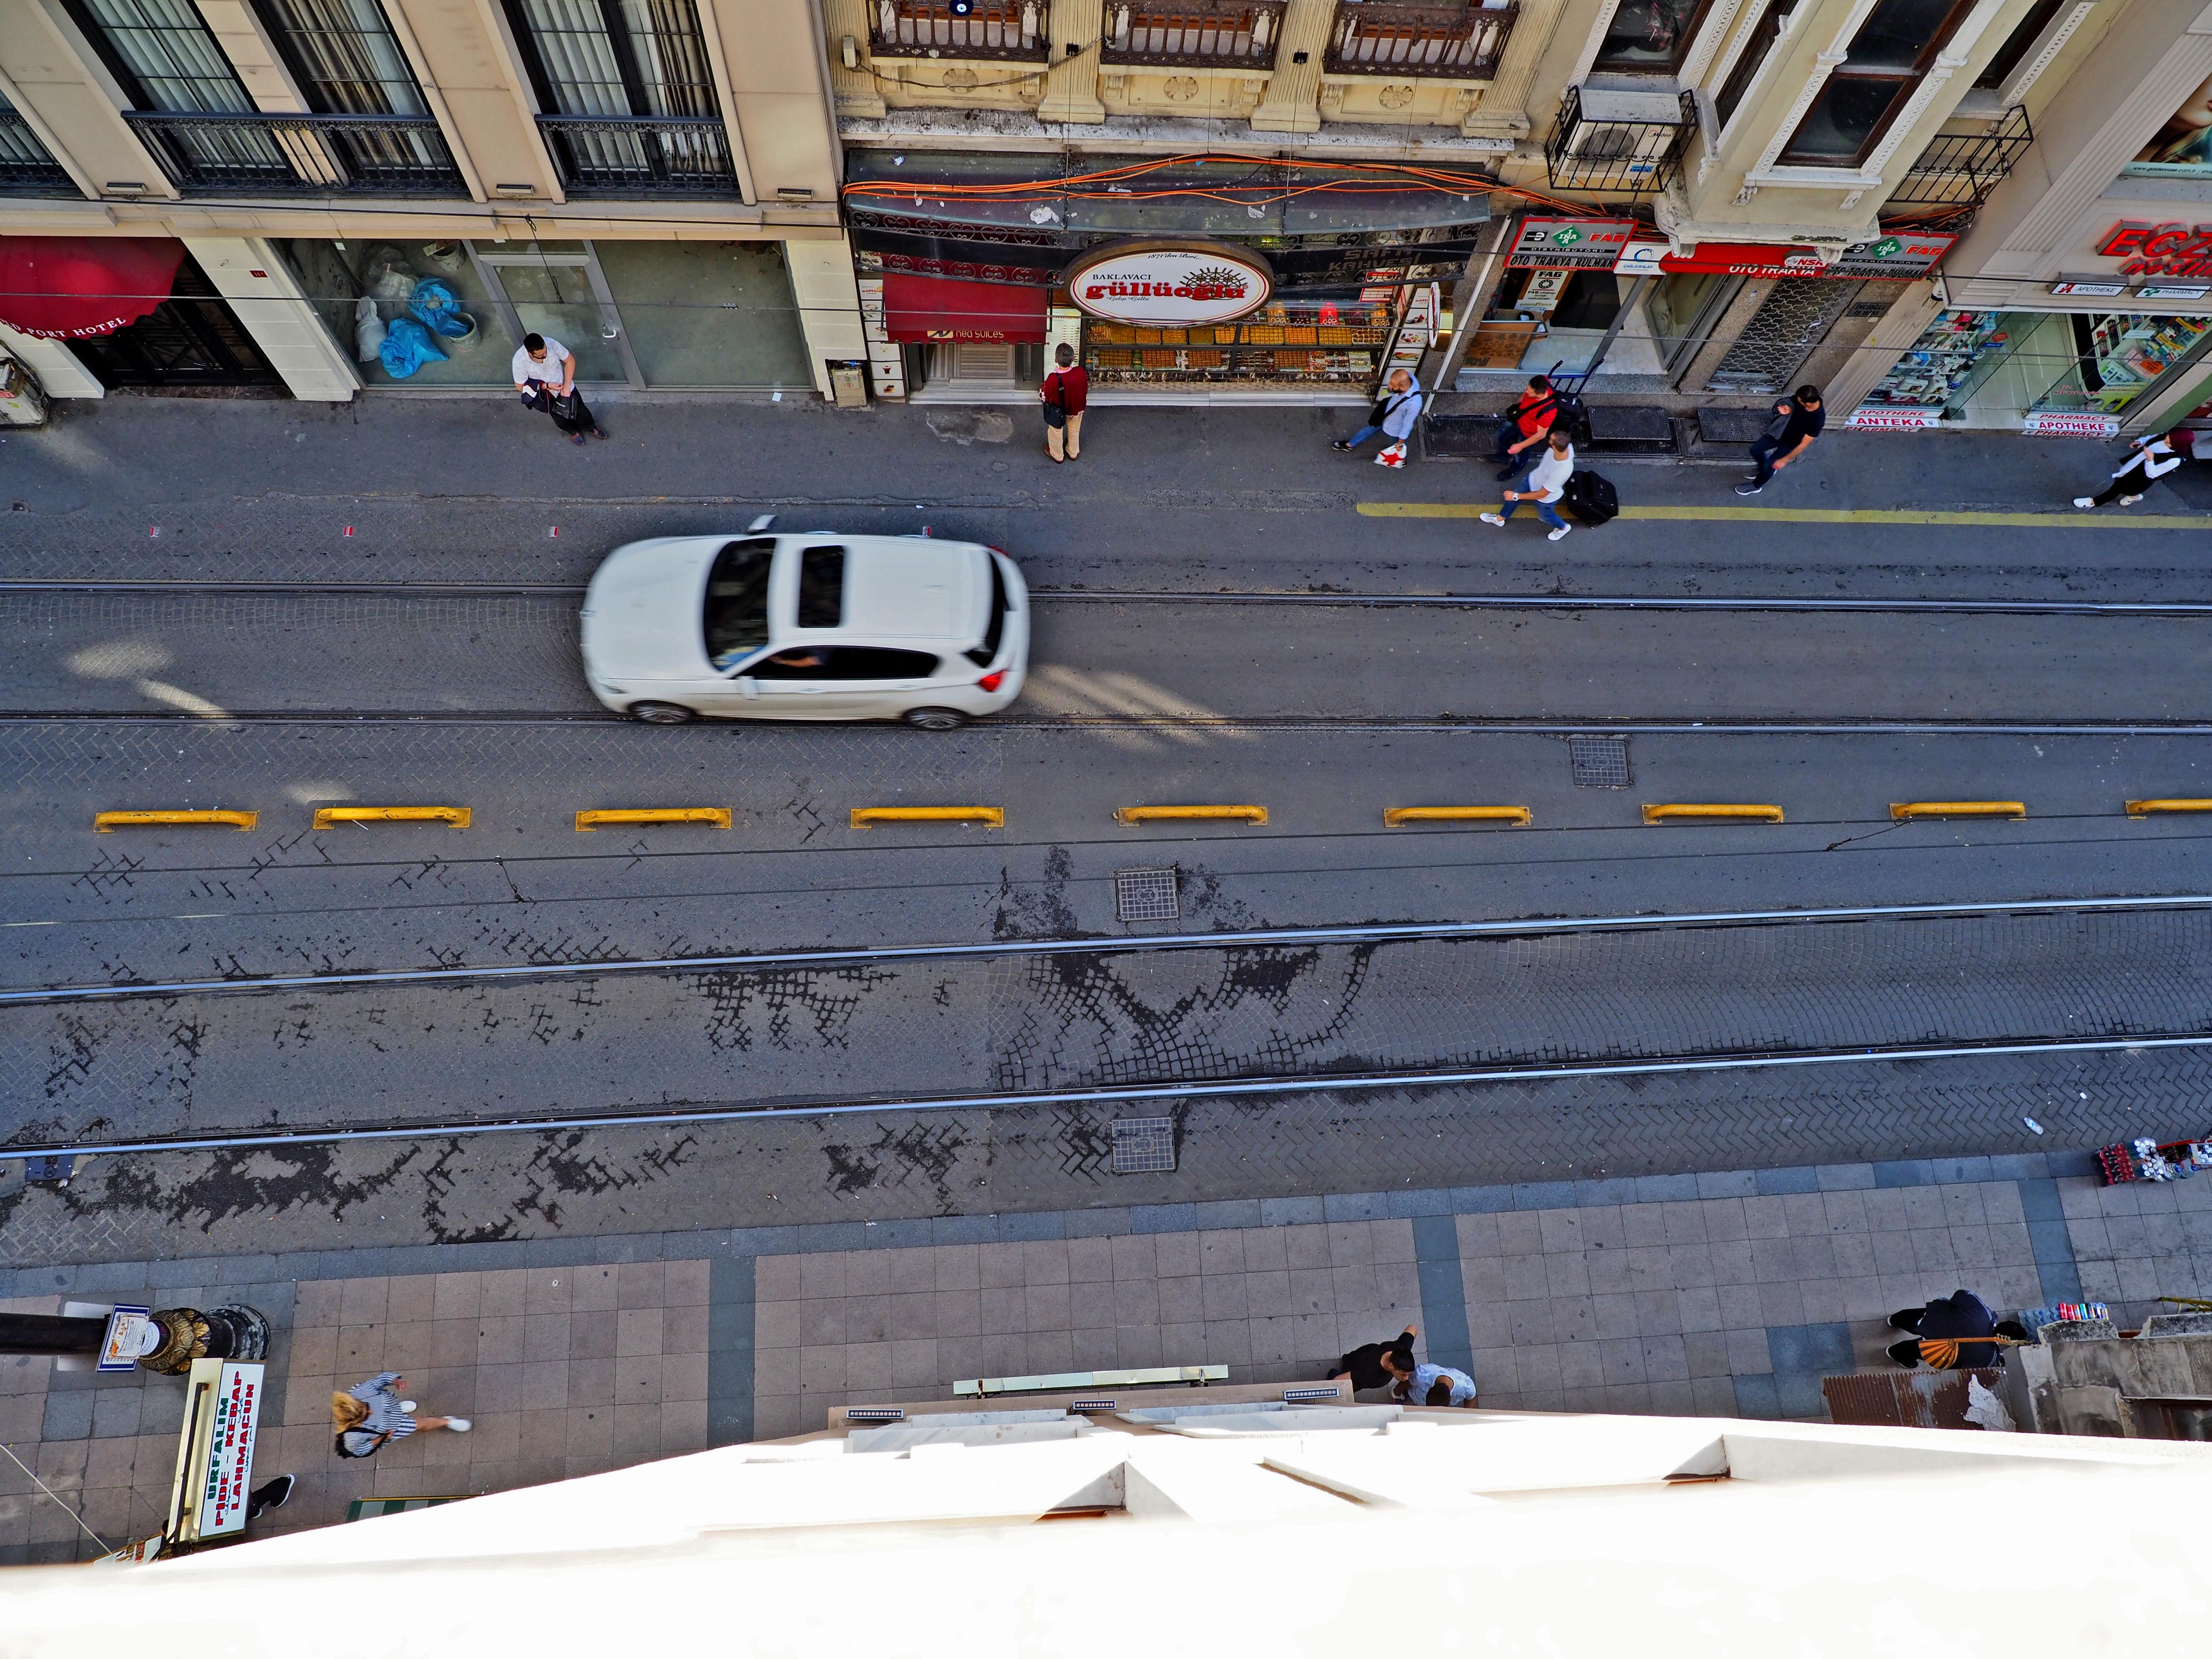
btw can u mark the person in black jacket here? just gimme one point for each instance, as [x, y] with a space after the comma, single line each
[1364, 1365]
[1943, 1334]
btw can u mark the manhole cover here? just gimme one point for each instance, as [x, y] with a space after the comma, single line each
[1143, 1144]
[1599, 763]
[1146, 895]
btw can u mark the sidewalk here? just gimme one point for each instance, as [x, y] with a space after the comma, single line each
[1729, 1293]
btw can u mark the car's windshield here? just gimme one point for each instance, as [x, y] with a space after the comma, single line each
[736, 601]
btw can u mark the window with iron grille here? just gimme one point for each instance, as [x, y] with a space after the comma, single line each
[161, 52]
[616, 57]
[1793, 317]
[343, 55]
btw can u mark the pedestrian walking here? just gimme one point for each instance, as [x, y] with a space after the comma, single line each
[1428, 1384]
[1953, 1333]
[1393, 416]
[1521, 429]
[545, 374]
[1546, 484]
[1797, 421]
[1366, 1365]
[370, 1415]
[1067, 393]
[2151, 458]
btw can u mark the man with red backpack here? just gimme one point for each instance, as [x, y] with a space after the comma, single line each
[1524, 425]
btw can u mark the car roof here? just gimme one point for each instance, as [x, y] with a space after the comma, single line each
[896, 589]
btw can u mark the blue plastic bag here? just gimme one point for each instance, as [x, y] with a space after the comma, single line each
[438, 309]
[407, 346]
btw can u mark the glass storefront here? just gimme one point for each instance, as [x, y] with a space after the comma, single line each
[1292, 339]
[689, 315]
[1989, 367]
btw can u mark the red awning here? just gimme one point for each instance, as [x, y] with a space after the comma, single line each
[1748, 259]
[922, 308]
[77, 288]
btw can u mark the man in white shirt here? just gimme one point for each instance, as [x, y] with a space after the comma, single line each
[1546, 483]
[545, 375]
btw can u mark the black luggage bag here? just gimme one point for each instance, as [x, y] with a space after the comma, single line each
[1591, 497]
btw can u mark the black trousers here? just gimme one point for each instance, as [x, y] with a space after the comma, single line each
[570, 413]
[2130, 482]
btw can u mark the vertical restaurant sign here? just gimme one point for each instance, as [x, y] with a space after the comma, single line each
[215, 1459]
[1571, 243]
[1169, 283]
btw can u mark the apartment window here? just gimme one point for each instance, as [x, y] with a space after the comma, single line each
[343, 55]
[1862, 95]
[1765, 33]
[1650, 36]
[616, 57]
[2017, 45]
[163, 55]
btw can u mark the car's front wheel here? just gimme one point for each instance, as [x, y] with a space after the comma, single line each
[936, 719]
[661, 714]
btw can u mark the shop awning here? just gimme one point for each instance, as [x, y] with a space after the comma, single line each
[917, 309]
[78, 288]
[1748, 259]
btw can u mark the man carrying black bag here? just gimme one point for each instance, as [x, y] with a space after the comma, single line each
[545, 374]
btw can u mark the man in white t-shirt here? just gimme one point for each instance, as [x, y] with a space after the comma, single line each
[545, 375]
[1546, 483]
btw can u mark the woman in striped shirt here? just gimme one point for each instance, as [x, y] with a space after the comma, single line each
[369, 1414]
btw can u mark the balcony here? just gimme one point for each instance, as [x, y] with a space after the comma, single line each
[1964, 168]
[1227, 32]
[266, 154]
[26, 169]
[1016, 29]
[1381, 37]
[640, 155]
[1617, 143]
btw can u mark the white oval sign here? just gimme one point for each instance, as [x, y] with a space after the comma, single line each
[1170, 286]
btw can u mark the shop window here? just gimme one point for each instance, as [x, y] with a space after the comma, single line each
[617, 57]
[2017, 44]
[1887, 58]
[708, 313]
[343, 55]
[1302, 337]
[1590, 299]
[162, 54]
[1767, 34]
[1650, 36]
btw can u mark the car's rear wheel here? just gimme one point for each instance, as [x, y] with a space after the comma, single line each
[936, 719]
[661, 714]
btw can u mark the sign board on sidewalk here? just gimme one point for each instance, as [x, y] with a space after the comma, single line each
[126, 1339]
[1571, 243]
[1891, 419]
[214, 1450]
[2071, 423]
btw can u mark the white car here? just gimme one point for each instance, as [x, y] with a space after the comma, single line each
[822, 626]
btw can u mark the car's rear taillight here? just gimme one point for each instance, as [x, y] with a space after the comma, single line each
[993, 681]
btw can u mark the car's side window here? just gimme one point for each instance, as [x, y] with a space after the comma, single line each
[876, 662]
[798, 662]
[821, 587]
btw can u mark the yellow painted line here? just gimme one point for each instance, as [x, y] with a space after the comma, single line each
[1822, 515]
[717, 816]
[1395, 816]
[104, 821]
[1153, 814]
[994, 817]
[327, 815]
[1958, 809]
[1663, 814]
[2140, 808]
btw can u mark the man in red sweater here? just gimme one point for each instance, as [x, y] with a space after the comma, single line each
[1066, 391]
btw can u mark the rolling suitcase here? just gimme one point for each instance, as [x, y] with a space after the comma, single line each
[1591, 497]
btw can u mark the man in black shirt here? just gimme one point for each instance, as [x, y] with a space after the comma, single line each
[1797, 421]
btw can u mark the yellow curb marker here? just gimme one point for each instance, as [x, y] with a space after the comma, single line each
[994, 817]
[2137, 809]
[104, 821]
[1958, 809]
[1821, 515]
[717, 816]
[1393, 817]
[1668, 813]
[1154, 814]
[327, 815]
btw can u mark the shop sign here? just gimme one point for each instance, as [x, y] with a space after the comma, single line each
[1893, 419]
[2069, 423]
[2090, 290]
[1640, 259]
[1571, 243]
[2167, 291]
[1900, 256]
[2145, 249]
[1170, 284]
[215, 1454]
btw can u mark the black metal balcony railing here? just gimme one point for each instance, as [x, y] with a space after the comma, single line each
[1020, 29]
[1383, 37]
[1964, 168]
[1595, 151]
[1242, 32]
[641, 155]
[302, 155]
[26, 169]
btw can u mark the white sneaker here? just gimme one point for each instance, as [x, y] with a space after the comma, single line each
[407, 1405]
[458, 1424]
[2085, 501]
[2129, 501]
[1560, 532]
[1492, 518]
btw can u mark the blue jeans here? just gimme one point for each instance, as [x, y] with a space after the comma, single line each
[1544, 510]
[1763, 452]
[1364, 434]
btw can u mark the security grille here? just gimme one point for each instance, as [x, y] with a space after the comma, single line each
[1143, 1145]
[1147, 896]
[1599, 763]
[1794, 317]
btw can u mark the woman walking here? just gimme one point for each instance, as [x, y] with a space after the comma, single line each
[2154, 458]
[1066, 393]
[370, 1414]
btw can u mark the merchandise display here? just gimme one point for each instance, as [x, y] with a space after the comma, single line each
[1288, 339]
[1940, 368]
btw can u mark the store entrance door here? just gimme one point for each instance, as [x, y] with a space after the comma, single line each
[558, 289]
[190, 339]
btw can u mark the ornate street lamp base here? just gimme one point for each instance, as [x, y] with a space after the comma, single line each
[225, 1332]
